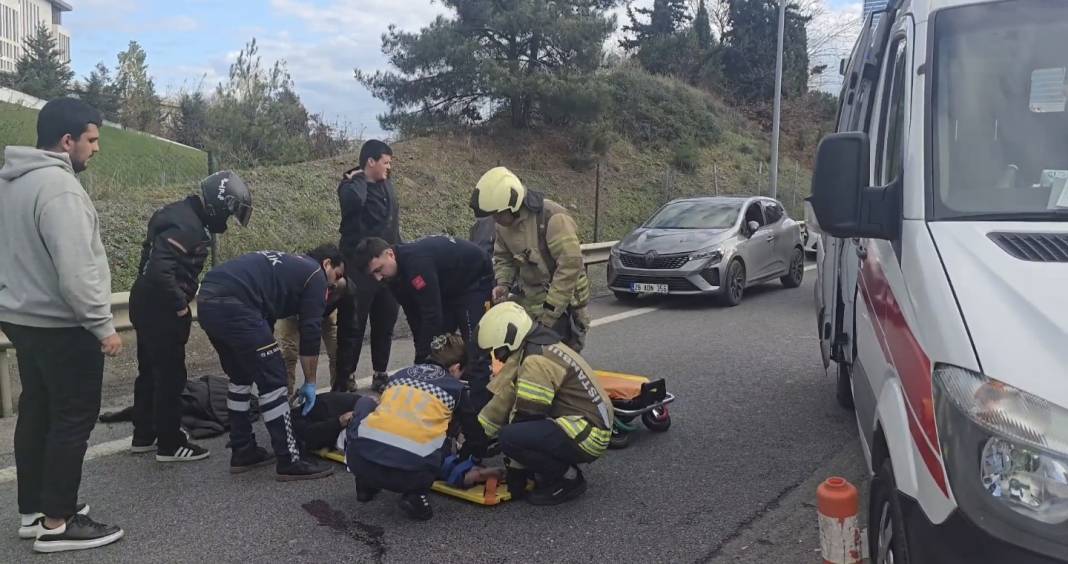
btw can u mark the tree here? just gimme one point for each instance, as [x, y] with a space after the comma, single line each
[139, 104]
[101, 92]
[663, 45]
[489, 57]
[41, 71]
[191, 123]
[703, 27]
[666, 17]
[256, 117]
[751, 44]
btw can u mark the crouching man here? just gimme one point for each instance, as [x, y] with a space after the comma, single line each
[398, 444]
[549, 411]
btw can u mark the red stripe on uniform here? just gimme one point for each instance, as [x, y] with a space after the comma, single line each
[905, 353]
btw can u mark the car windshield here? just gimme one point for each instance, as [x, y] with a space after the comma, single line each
[1000, 148]
[695, 214]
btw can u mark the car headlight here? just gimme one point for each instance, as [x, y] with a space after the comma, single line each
[716, 254]
[614, 251]
[1006, 454]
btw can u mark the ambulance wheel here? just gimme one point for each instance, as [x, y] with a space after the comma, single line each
[886, 530]
[620, 439]
[657, 419]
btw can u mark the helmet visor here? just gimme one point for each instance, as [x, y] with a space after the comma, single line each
[243, 214]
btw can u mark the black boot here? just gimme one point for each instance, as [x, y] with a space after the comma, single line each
[555, 492]
[379, 381]
[245, 459]
[417, 505]
[516, 478]
[303, 470]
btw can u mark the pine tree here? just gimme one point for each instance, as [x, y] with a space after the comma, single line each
[139, 104]
[749, 61]
[703, 27]
[41, 71]
[666, 17]
[100, 92]
[489, 58]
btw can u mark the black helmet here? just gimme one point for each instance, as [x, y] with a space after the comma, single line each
[225, 194]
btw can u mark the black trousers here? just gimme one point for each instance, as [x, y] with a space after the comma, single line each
[542, 447]
[161, 373]
[62, 371]
[372, 301]
[249, 354]
[371, 475]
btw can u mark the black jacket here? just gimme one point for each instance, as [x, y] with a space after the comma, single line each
[278, 285]
[367, 210]
[433, 272]
[320, 428]
[173, 253]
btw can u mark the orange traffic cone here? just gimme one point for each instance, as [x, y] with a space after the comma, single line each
[840, 538]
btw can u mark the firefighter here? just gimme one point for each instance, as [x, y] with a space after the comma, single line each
[238, 304]
[549, 411]
[536, 247]
[172, 258]
[443, 284]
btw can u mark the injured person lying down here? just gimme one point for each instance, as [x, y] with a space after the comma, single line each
[324, 426]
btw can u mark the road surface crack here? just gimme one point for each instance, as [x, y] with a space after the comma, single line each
[745, 525]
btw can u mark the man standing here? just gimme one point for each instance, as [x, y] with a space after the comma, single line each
[172, 258]
[55, 306]
[444, 285]
[238, 304]
[369, 208]
[537, 247]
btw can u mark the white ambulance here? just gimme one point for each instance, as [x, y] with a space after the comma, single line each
[942, 298]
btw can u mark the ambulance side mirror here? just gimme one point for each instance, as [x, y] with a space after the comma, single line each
[844, 205]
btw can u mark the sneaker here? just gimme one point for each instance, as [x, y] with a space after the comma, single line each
[417, 506]
[303, 470]
[245, 459]
[78, 533]
[141, 447]
[559, 491]
[379, 381]
[185, 453]
[32, 524]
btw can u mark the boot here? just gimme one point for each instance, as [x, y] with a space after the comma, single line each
[557, 491]
[379, 381]
[245, 459]
[303, 470]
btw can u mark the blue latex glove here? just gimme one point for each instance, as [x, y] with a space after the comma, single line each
[307, 391]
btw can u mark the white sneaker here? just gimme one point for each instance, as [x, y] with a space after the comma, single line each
[32, 524]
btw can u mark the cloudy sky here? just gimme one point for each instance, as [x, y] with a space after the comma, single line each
[191, 43]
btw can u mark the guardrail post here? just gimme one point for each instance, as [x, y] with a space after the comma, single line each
[6, 401]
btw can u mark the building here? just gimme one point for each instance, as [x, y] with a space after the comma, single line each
[20, 18]
[873, 5]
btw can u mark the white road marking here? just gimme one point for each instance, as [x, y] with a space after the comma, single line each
[621, 316]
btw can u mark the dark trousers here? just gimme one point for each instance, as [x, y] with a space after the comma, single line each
[373, 301]
[161, 373]
[62, 371]
[542, 447]
[371, 475]
[249, 354]
[463, 314]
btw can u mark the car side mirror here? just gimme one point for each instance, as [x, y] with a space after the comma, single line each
[753, 226]
[844, 205]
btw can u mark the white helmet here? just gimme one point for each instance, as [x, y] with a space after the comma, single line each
[504, 325]
[498, 190]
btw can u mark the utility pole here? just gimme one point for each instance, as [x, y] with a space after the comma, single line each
[778, 104]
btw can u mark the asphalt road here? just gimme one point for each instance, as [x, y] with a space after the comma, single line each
[754, 429]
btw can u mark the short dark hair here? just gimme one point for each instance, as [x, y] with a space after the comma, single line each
[366, 250]
[327, 251]
[373, 149]
[62, 116]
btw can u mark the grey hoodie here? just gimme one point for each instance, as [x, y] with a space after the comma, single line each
[53, 270]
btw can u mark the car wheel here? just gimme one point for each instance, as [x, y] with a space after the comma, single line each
[886, 520]
[626, 297]
[843, 388]
[734, 284]
[796, 274]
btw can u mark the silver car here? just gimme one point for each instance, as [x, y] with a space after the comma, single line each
[713, 245]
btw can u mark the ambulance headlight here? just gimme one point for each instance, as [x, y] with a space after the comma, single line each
[1006, 454]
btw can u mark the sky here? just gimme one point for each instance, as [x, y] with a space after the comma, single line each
[191, 43]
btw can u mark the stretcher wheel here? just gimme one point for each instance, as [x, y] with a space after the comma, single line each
[657, 419]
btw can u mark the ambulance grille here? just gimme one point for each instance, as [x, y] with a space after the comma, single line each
[1034, 247]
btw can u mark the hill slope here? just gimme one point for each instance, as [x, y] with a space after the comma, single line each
[127, 159]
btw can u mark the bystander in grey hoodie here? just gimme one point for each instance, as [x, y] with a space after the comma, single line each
[53, 270]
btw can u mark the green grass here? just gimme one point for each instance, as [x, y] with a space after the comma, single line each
[127, 159]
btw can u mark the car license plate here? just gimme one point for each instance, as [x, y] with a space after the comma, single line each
[640, 288]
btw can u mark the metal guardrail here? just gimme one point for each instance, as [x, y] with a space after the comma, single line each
[593, 253]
